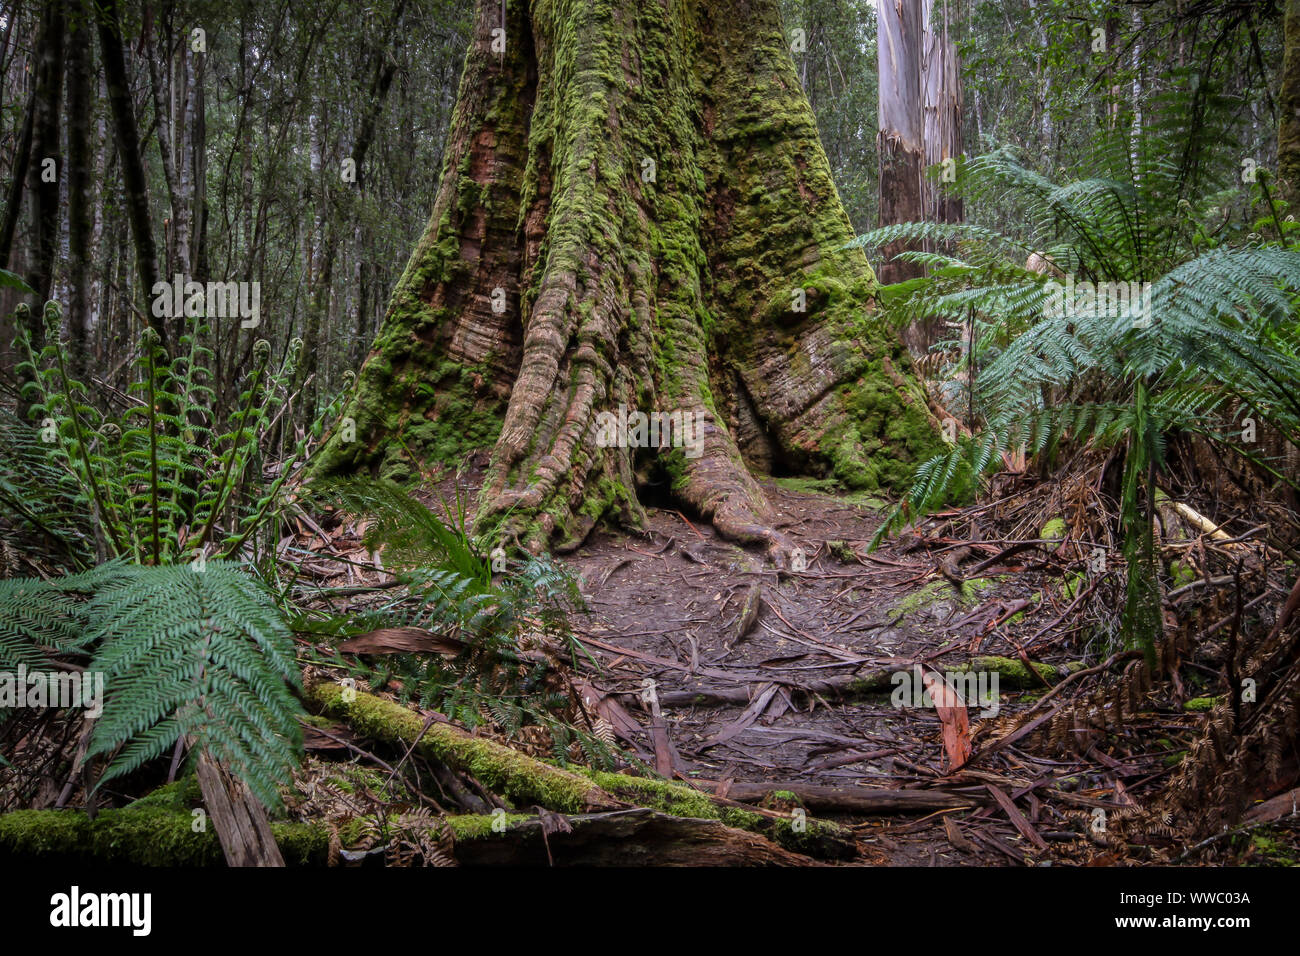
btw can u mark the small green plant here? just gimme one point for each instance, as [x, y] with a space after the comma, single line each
[510, 622]
[166, 480]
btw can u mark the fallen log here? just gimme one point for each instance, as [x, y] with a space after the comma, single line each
[853, 799]
[1012, 674]
[158, 830]
[635, 837]
[526, 781]
[1283, 805]
[155, 835]
[523, 780]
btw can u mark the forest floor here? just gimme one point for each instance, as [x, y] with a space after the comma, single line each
[668, 608]
[752, 676]
[780, 687]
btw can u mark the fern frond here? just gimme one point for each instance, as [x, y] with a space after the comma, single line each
[202, 654]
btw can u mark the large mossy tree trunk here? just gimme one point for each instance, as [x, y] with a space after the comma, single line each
[635, 210]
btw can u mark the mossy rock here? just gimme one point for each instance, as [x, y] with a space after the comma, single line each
[939, 597]
[1054, 530]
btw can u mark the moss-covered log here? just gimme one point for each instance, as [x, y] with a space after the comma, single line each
[158, 836]
[517, 777]
[668, 823]
[635, 211]
[527, 781]
[634, 837]
[158, 830]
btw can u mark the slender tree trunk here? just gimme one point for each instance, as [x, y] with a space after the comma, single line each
[1288, 152]
[901, 139]
[384, 70]
[942, 112]
[157, 52]
[46, 170]
[128, 148]
[81, 172]
[635, 212]
[1288, 130]
[14, 200]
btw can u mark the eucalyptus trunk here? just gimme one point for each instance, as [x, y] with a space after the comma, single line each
[901, 137]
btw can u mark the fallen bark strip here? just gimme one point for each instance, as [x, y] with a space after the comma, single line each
[519, 778]
[1012, 674]
[238, 817]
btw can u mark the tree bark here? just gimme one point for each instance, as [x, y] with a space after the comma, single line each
[46, 168]
[901, 139]
[384, 70]
[128, 148]
[942, 108]
[635, 211]
[14, 198]
[44, 171]
[81, 160]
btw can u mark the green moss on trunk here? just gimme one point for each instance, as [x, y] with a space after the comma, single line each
[643, 190]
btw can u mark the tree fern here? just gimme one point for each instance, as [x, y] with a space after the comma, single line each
[201, 654]
[34, 615]
[1217, 331]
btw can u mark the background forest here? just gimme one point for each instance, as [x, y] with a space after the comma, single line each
[242, 145]
[296, 146]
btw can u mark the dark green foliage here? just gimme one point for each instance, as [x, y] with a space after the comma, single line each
[410, 534]
[34, 614]
[1219, 338]
[511, 621]
[201, 653]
